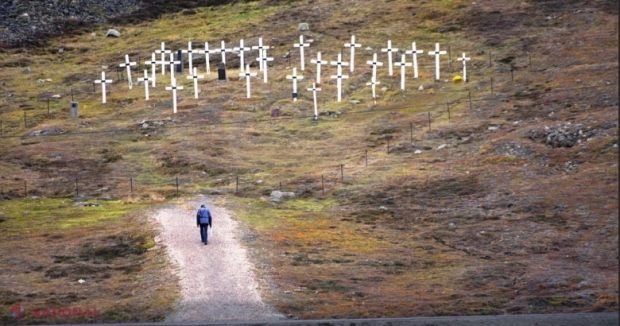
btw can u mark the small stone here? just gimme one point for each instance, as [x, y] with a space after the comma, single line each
[442, 147]
[493, 128]
[56, 96]
[113, 33]
[27, 70]
[303, 27]
[61, 50]
[421, 88]
[417, 151]
[384, 88]
[355, 101]
[259, 181]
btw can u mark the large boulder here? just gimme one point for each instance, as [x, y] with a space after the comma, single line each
[279, 196]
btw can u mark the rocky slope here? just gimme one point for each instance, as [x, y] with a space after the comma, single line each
[31, 22]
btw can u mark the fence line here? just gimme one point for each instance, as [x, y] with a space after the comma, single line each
[7, 126]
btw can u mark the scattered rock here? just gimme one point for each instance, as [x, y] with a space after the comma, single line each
[570, 165]
[27, 70]
[113, 33]
[442, 147]
[277, 196]
[355, 101]
[421, 88]
[303, 27]
[567, 134]
[493, 128]
[384, 88]
[417, 151]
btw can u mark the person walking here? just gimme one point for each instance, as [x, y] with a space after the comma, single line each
[204, 221]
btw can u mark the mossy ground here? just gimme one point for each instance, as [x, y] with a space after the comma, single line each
[467, 229]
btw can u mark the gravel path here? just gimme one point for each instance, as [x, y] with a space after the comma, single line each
[217, 281]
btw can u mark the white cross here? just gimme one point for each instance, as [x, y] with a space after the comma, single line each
[172, 62]
[146, 81]
[260, 47]
[374, 63]
[389, 51]
[163, 53]
[189, 52]
[339, 63]
[247, 74]
[436, 53]
[173, 87]
[352, 45]
[402, 65]
[153, 64]
[373, 83]
[241, 50]
[314, 89]
[294, 77]
[206, 52]
[339, 78]
[128, 64]
[318, 66]
[103, 81]
[301, 45]
[223, 51]
[414, 53]
[195, 77]
[464, 59]
[263, 58]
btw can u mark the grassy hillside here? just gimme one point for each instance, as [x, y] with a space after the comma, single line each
[494, 196]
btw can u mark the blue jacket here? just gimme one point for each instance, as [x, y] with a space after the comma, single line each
[203, 212]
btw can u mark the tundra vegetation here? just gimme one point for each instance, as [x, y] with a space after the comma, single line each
[497, 196]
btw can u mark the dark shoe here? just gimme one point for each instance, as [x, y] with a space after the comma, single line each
[205, 243]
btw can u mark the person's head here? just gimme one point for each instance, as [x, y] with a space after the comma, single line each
[202, 206]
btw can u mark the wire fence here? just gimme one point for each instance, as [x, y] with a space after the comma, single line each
[481, 90]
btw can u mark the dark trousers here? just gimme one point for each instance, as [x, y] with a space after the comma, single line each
[203, 232]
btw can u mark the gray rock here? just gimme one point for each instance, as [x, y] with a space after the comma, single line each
[421, 88]
[113, 33]
[355, 101]
[27, 70]
[277, 196]
[303, 27]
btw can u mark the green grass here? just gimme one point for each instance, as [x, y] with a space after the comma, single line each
[53, 214]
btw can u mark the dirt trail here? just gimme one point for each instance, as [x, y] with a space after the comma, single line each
[217, 281]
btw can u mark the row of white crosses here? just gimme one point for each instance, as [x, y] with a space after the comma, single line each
[263, 66]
